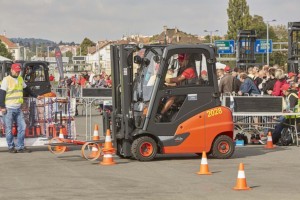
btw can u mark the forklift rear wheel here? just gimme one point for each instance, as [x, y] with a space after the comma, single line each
[223, 147]
[144, 148]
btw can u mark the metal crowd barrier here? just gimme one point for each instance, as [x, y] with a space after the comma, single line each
[262, 122]
[44, 118]
[258, 114]
[90, 99]
[72, 91]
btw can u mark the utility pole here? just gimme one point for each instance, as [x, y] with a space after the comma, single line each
[268, 59]
[209, 31]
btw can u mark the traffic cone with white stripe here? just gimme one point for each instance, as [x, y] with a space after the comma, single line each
[108, 150]
[61, 134]
[96, 133]
[94, 152]
[96, 137]
[204, 165]
[107, 159]
[269, 144]
[108, 144]
[241, 183]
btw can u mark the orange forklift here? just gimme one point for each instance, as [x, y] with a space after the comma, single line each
[152, 115]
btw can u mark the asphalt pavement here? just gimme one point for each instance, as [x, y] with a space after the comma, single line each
[271, 173]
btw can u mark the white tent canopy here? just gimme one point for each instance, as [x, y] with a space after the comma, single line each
[4, 59]
[220, 65]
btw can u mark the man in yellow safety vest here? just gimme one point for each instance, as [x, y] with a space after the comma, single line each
[11, 99]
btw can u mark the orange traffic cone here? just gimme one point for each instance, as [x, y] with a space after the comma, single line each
[108, 150]
[107, 159]
[241, 183]
[269, 144]
[94, 152]
[96, 133]
[61, 134]
[108, 143]
[204, 165]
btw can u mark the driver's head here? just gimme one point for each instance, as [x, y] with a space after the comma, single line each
[183, 59]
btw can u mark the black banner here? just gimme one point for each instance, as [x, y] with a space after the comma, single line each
[59, 62]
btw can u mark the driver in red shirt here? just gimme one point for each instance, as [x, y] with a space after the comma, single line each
[186, 74]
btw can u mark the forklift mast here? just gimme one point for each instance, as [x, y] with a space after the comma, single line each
[293, 46]
[245, 48]
[122, 78]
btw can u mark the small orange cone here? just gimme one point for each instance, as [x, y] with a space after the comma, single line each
[94, 152]
[96, 133]
[108, 143]
[204, 165]
[108, 150]
[241, 183]
[61, 134]
[269, 144]
[107, 159]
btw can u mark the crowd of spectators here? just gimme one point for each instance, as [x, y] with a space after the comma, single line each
[272, 81]
[256, 81]
[86, 79]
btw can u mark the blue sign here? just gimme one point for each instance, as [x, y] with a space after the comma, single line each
[225, 46]
[261, 46]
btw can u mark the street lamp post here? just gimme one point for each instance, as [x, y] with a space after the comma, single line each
[25, 53]
[48, 52]
[36, 51]
[268, 59]
[209, 31]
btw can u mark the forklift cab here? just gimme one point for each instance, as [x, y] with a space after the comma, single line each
[34, 73]
[4, 69]
[194, 120]
[36, 76]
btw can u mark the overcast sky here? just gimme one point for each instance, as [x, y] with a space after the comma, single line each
[73, 20]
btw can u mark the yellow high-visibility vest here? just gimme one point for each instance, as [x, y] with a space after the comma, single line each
[14, 92]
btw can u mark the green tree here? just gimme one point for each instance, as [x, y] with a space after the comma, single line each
[281, 32]
[84, 46]
[258, 24]
[4, 52]
[280, 57]
[238, 17]
[206, 39]
[69, 55]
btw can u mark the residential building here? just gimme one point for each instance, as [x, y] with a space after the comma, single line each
[13, 48]
[99, 57]
[174, 36]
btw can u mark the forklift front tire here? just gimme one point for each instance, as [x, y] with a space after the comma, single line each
[144, 148]
[223, 147]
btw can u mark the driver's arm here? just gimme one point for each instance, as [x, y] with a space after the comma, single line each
[176, 79]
